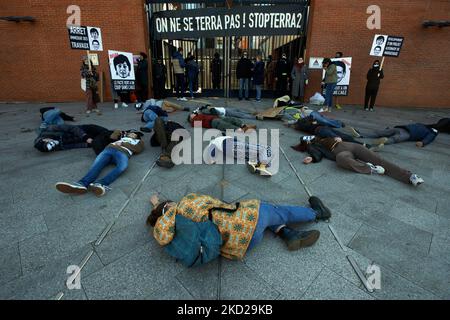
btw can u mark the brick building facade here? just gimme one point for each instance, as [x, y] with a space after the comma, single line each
[38, 65]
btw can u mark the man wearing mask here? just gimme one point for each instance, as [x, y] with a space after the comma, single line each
[282, 75]
[373, 83]
[244, 72]
[159, 79]
[329, 82]
[216, 70]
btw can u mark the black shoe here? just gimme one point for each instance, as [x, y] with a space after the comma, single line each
[323, 213]
[165, 162]
[240, 99]
[298, 239]
[187, 109]
[248, 99]
[144, 129]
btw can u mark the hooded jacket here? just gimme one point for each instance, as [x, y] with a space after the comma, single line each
[178, 63]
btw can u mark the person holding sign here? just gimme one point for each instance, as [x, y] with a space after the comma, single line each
[330, 82]
[373, 84]
[91, 77]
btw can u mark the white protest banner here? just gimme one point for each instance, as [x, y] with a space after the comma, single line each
[85, 38]
[122, 70]
[343, 69]
[386, 46]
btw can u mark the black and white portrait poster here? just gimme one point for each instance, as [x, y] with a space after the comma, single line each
[343, 69]
[378, 45]
[122, 70]
[95, 38]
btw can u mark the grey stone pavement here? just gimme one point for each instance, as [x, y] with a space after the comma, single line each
[402, 229]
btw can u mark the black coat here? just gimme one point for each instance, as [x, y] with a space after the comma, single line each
[373, 80]
[318, 152]
[142, 72]
[283, 69]
[216, 68]
[244, 69]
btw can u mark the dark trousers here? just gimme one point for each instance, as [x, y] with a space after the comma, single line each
[142, 94]
[354, 157]
[164, 138]
[371, 96]
[281, 86]
[159, 87]
[216, 83]
[179, 85]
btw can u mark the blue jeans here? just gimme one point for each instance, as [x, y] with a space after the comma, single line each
[243, 84]
[258, 91]
[273, 216]
[329, 89]
[234, 113]
[51, 117]
[108, 156]
[150, 118]
[326, 121]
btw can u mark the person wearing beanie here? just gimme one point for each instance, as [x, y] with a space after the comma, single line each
[241, 225]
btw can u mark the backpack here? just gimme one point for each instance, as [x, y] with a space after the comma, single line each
[194, 243]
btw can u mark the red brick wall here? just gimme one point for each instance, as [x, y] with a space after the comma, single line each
[419, 77]
[40, 66]
[36, 60]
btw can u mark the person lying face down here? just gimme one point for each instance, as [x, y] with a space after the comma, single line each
[243, 224]
[64, 137]
[128, 143]
[420, 133]
[222, 149]
[354, 157]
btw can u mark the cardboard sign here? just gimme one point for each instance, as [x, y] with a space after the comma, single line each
[85, 38]
[122, 70]
[343, 68]
[386, 46]
[315, 62]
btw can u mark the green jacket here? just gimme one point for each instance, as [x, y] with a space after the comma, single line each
[331, 74]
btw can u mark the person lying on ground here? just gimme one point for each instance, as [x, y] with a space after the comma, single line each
[443, 125]
[53, 116]
[311, 126]
[241, 225]
[420, 133]
[64, 137]
[219, 123]
[166, 105]
[222, 112]
[354, 157]
[152, 111]
[292, 114]
[118, 153]
[258, 157]
[163, 138]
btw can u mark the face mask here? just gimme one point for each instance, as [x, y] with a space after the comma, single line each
[308, 138]
[376, 65]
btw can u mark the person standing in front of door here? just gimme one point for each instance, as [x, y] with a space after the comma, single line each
[244, 72]
[178, 70]
[282, 75]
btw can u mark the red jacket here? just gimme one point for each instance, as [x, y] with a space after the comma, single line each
[205, 119]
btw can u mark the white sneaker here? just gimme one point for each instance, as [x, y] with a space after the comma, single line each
[416, 180]
[116, 106]
[376, 169]
[323, 110]
[124, 105]
[183, 99]
[178, 99]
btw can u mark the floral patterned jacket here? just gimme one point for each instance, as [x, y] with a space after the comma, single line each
[235, 226]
